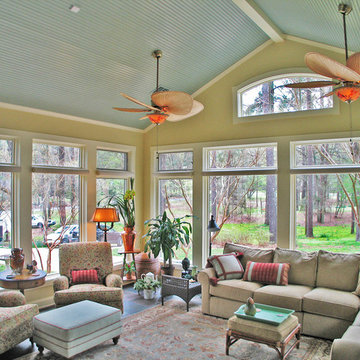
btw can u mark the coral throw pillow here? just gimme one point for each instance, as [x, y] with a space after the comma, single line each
[90, 276]
[267, 273]
[227, 266]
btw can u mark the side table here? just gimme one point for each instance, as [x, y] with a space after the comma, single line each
[124, 262]
[23, 281]
[172, 285]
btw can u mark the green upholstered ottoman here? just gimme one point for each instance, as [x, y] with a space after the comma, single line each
[74, 328]
[275, 336]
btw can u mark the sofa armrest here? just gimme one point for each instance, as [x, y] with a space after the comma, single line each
[204, 279]
[12, 298]
[113, 280]
[345, 349]
[61, 283]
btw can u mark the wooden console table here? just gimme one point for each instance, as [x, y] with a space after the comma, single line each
[23, 281]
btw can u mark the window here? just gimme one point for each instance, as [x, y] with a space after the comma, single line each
[327, 209]
[244, 205]
[105, 188]
[55, 202]
[269, 97]
[6, 195]
[108, 186]
[112, 160]
[175, 161]
[56, 155]
[176, 198]
[241, 157]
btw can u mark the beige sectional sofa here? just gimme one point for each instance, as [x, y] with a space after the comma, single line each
[322, 290]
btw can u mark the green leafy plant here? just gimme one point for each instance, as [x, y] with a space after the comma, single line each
[129, 268]
[165, 234]
[125, 204]
[146, 284]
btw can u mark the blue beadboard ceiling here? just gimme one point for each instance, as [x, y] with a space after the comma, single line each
[77, 64]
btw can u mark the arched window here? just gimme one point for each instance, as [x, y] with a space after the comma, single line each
[268, 97]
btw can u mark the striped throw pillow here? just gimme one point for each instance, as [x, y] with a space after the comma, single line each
[267, 273]
[227, 266]
[84, 276]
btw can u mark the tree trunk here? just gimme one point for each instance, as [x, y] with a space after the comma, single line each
[271, 206]
[352, 231]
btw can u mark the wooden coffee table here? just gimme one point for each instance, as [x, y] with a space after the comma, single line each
[23, 281]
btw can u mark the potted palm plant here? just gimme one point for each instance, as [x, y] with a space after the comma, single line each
[125, 204]
[165, 234]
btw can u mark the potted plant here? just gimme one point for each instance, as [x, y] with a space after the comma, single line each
[148, 285]
[129, 269]
[125, 204]
[165, 234]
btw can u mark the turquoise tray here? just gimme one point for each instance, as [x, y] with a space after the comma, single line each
[266, 314]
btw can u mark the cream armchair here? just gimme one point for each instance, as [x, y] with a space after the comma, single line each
[86, 256]
[16, 319]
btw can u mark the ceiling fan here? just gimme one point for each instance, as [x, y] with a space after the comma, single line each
[165, 105]
[346, 78]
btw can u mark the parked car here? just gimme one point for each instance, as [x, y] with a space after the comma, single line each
[112, 236]
[70, 234]
[38, 221]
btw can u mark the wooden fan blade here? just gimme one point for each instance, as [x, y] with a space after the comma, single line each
[353, 62]
[327, 95]
[196, 108]
[138, 102]
[177, 102]
[131, 110]
[309, 84]
[326, 66]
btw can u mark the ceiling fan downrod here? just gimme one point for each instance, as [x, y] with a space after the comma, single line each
[157, 54]
[345, 9]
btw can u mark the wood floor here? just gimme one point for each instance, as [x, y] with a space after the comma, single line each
[133, 303]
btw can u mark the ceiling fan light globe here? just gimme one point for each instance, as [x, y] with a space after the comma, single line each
[157, 118]
[348, 94]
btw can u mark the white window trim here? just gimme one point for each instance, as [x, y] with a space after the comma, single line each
[273, 75]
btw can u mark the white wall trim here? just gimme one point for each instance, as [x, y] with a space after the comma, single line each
[233, 67]
[68, 117]
[316, 44]
[258, 16]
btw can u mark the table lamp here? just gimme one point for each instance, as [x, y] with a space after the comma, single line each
[105, 215]
[212, 227]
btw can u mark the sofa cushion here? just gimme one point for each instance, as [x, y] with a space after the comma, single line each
[239, 290]
[84, 276]
[227, 266]
[357, 320]
[303, 265]
[267, 273]
[253, 254]
[334, 303]
[338, 271]
[290, 297]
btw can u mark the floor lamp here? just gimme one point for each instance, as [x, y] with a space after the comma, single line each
[105, 215]
[212, 227]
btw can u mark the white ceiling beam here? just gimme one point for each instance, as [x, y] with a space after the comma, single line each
[255, 13]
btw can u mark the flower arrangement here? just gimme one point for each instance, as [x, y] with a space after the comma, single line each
[125, 204]
[129, 268]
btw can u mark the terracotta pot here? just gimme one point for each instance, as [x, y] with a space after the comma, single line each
[144, 264]
[167, 270]
[17, 259]
[128, 236]
[128, 276]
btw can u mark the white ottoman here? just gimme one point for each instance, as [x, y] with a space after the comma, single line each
[74, 328]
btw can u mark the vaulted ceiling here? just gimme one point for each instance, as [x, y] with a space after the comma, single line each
[78, 63]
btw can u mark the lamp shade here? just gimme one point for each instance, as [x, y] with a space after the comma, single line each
[212, 227]
[105, 215]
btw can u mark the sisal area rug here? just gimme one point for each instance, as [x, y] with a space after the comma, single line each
[169, 332]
